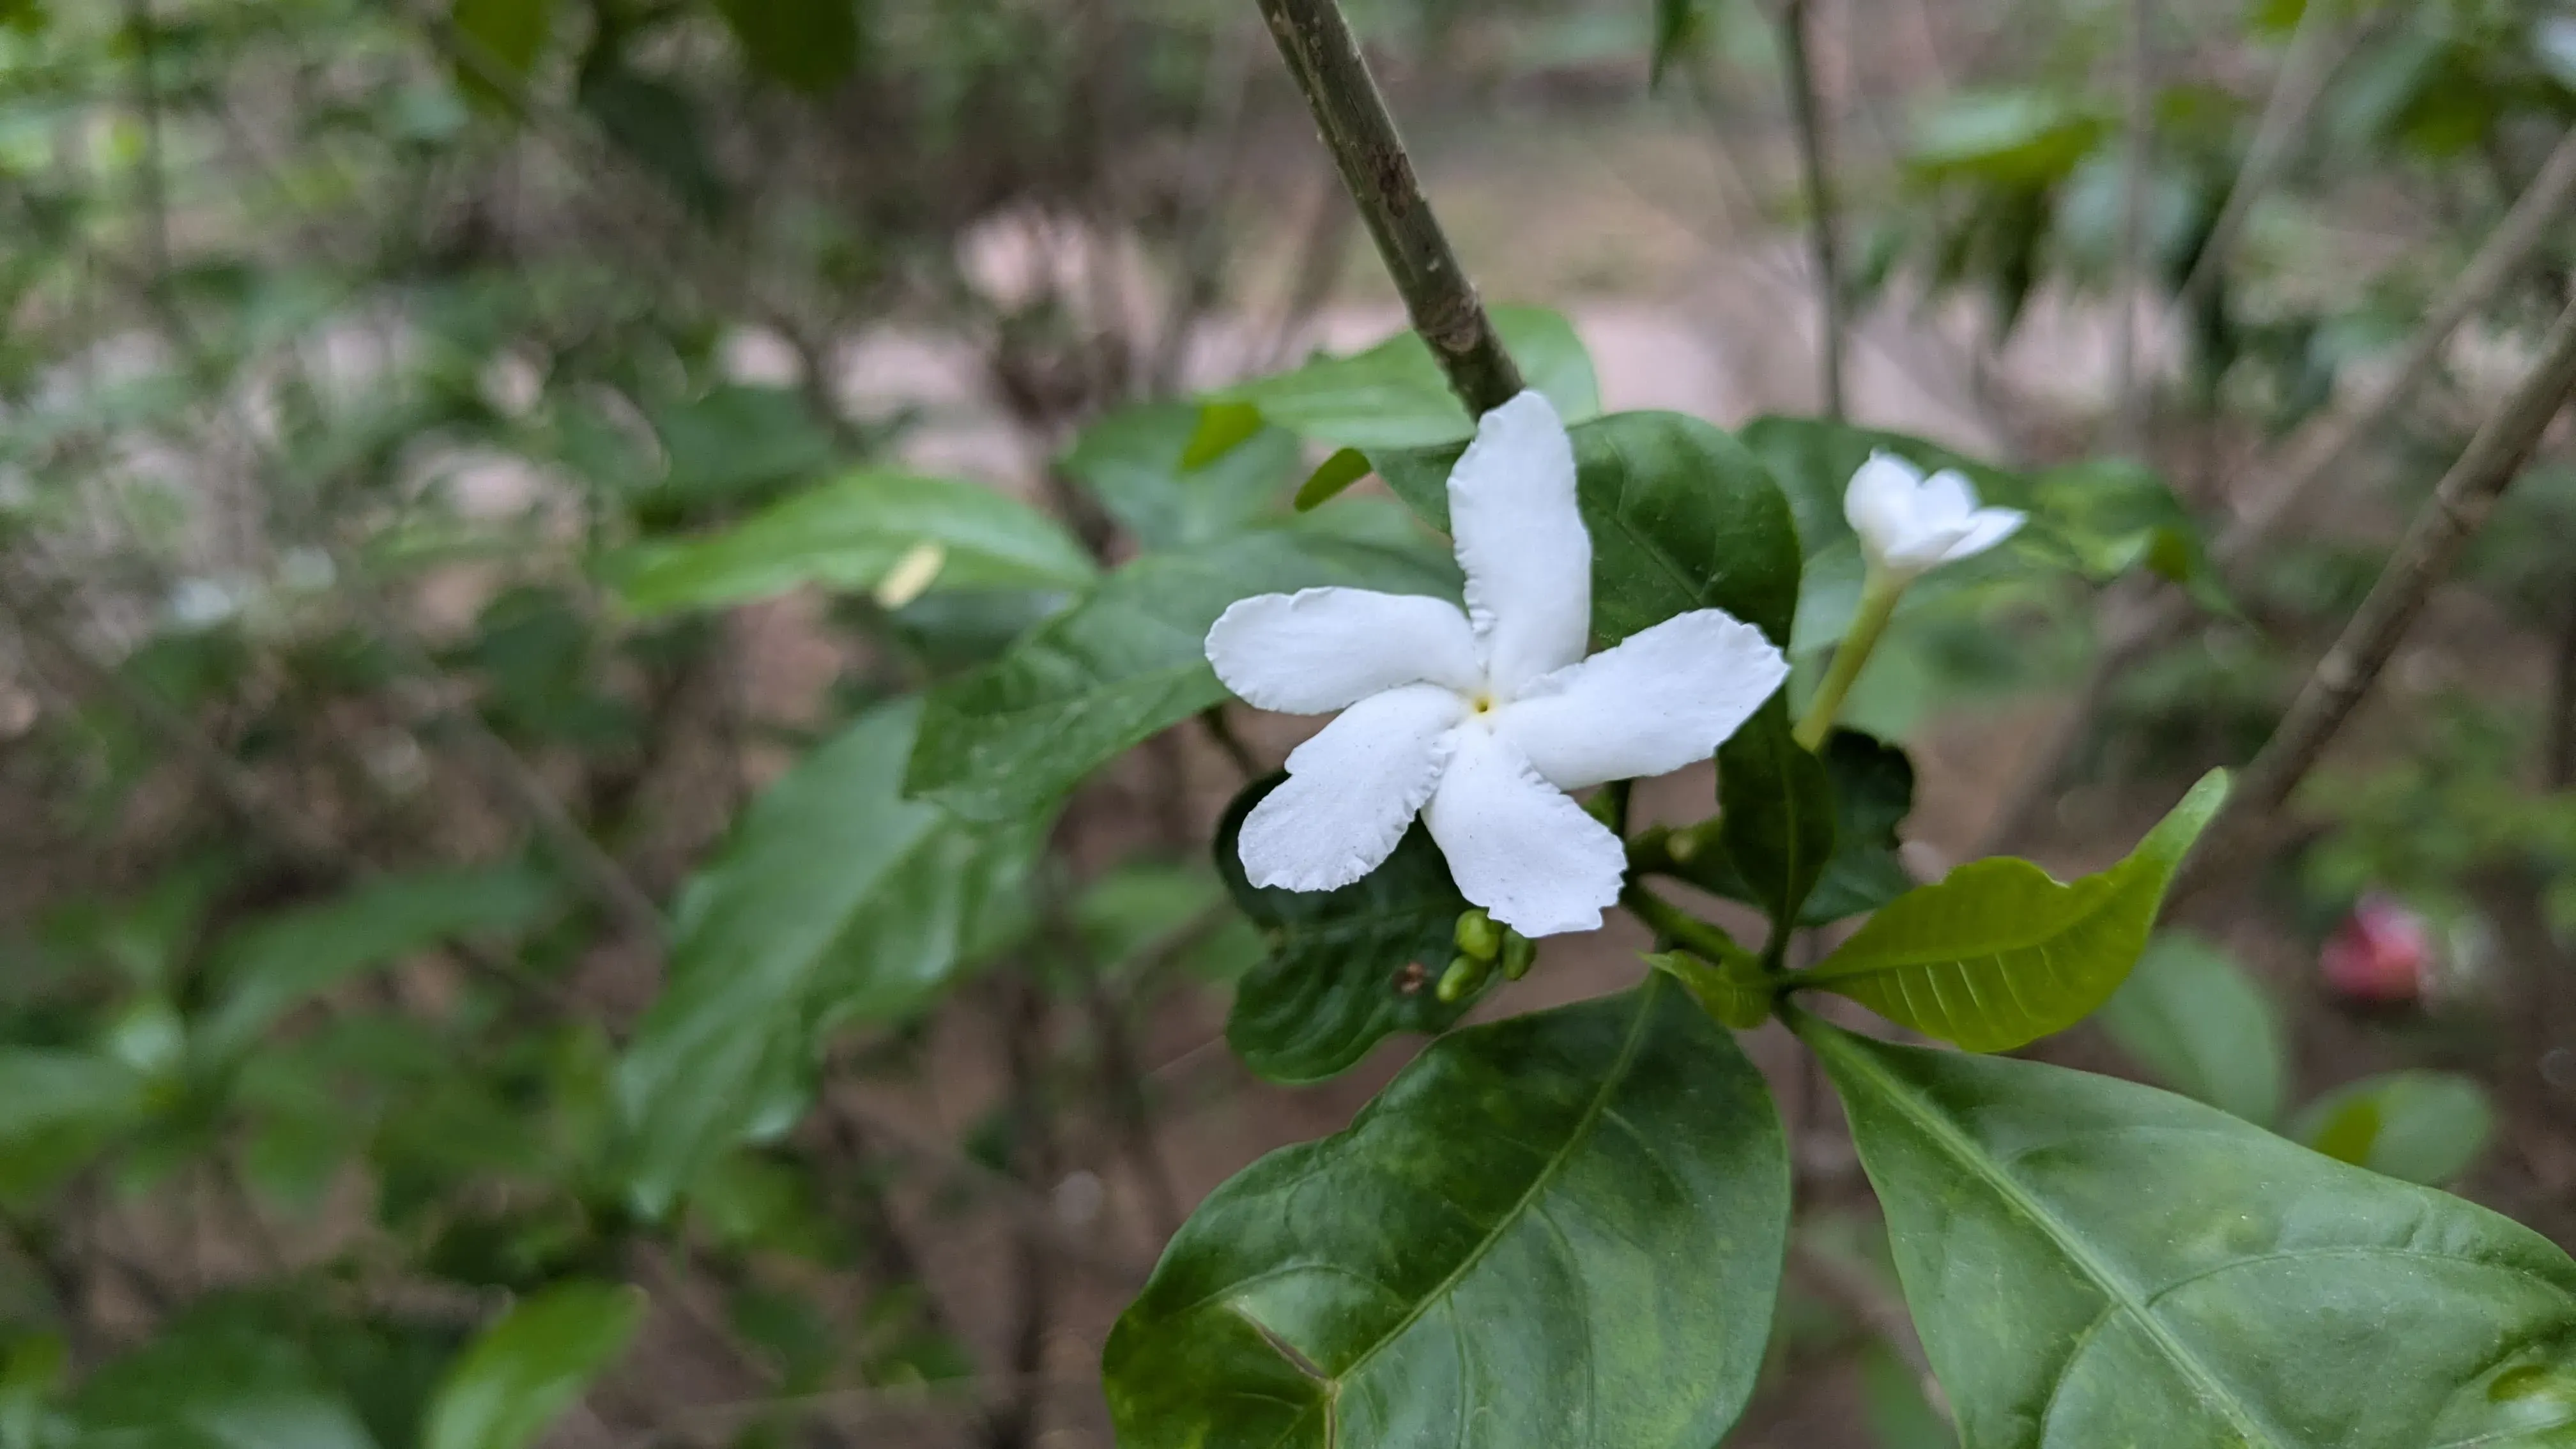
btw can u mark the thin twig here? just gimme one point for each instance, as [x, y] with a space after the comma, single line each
[2129, 284]
[1815, 171]
[2317, 46]
[2136, 619]
[1325, 58]
[2558, 758]
[2424, 557]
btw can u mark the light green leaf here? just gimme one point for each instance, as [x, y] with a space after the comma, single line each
[527, 1369]
[1137, 462]
[47, 1090]
[1998, 954]
[1345, 467]
[1346, 968]
[806, 45]
[1128, 660]
[1394, 396]
[275, 964]
[2193, 1018]
[1681, 517]
[1218, 430]
[836, 900]
[2093, 1262]
[1733, 989]
[846, 535]
[1558, 1231]
[2422, 1126]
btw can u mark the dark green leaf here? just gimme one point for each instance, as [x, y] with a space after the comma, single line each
[1677, 27]
[659, 125]
[1344, 468]
[500, 36]
[527, 1369]
[836, 900]
[1394, 396]
[2422, 1126]
[2199, 1024]
[739, 441]
[1997, 954]
[217, 1378]
[1873, 791]
[1775, 814]
[1346, 968]
[2092, 1262]
[1128, 660]
[1559, 1231]
[1892, 1398]
[807, 45]
[1136, 462]
[1681, 517]
[269, 967]
[847, 535]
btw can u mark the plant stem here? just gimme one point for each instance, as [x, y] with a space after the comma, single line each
[2135, 623]
[1675, 926]
[2424, 557]
[1325, 59]
[1878, 595]
[1816, 173]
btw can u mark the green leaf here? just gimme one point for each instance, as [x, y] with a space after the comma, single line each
[1137, 462]
[806, 45]
[739, 443]
[2021, 137]
[1219, 429]
[1682, 517]
[527, 1369]
[846, 535]
[2093, 1262]
[277, 963]
[2192, 1017]
[1733, 989]
[1394, 396]
[2422, 1126]
[1345, 467]
[1873, 792]
[836, 900]
[1775, 814]
[215, 1377]
[1346, 968]
[1128, 660]
[1998, 954]
[1892, 1399]
[505, 35]
[1563, 1229]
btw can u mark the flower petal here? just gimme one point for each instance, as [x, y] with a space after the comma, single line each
[1658, 701]
[1879, 501]
[1320, 649]
[1516, 845]
[1986, 528]
[1522, 543]
[1351, 790]
[1947, 499]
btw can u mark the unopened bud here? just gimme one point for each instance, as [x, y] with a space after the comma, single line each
[2380, 955]
[1518, 952]
[1477, 935]
[1460, 981]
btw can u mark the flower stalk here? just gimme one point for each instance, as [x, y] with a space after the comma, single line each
[1878, 595]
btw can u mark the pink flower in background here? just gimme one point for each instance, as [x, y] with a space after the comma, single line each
[2382, 953]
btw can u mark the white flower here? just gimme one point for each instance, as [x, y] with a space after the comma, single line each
[1482, 720]
[1909, 523]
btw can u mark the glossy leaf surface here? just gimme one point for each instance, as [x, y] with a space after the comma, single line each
[1560, 1230]
[2093, 1262]
[1129, 659]
[1997, 954]
[1345, 968]
[1681, 517]
[847, 534]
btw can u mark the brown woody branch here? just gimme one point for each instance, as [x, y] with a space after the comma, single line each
[2424, 557]
[1325, 58]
